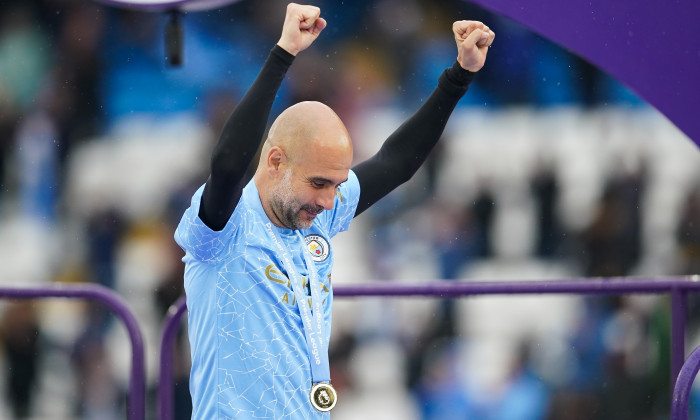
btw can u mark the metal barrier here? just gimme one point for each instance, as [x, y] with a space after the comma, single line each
[167, 343]
[677, 287]
[136, 407]
[684, 384]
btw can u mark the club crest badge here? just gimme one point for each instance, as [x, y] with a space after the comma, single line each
[318, 247]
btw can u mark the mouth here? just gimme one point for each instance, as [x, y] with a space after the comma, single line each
[311, 214]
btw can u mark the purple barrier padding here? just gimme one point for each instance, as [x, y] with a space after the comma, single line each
[582, 286]
[684, 384]
[167, 5]
[652, 46]
[137, 386]
[677, 286]
[165, 380]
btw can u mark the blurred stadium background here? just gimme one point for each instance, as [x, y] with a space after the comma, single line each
[548, 169]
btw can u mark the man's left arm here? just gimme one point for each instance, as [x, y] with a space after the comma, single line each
[408, 147]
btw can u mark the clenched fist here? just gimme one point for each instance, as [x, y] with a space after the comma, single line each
[473, 40]
[302, 25]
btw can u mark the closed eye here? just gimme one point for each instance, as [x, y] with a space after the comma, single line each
[320, 183]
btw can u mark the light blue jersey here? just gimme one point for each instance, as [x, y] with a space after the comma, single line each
[249, 353]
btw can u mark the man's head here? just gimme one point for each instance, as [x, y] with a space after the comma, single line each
[306, 156]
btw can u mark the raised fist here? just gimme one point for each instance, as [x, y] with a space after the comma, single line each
[302, 25]
[473, 40]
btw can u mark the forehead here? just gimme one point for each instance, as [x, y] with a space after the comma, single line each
[330, 163]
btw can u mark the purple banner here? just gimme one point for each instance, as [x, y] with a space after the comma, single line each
[652, 46]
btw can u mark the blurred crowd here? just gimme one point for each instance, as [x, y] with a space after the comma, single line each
[549, 169]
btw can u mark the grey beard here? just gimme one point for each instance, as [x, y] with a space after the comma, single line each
[286, 207]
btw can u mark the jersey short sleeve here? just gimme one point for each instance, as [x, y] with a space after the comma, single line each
[196, 238]
[346, 198]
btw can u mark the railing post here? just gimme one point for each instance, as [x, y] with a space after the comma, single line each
[678, 319]
[165, 379]
[681, 392]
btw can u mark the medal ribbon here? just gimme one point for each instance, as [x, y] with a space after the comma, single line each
[313, 323]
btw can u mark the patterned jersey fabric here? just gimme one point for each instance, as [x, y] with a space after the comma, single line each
[249, 353]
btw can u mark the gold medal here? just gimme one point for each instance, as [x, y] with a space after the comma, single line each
[323, 396]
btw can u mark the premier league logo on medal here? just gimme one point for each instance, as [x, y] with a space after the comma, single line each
[323, 396]
[318, 247]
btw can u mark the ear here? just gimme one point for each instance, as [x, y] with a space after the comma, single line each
[275, 158]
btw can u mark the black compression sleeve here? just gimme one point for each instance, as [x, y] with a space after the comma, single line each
[239, 141]
[405, 150]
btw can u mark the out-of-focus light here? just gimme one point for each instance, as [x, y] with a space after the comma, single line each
[162, 5]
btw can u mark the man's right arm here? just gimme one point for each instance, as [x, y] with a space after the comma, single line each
[239, 140]
[245, 127]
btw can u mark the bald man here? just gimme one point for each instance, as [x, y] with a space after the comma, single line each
[258, 257]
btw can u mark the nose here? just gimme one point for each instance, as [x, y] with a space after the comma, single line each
[327, 198]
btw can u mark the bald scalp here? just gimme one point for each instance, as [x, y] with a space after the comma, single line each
[307, 126]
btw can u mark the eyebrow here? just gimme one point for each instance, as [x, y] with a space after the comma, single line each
[325, 180]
